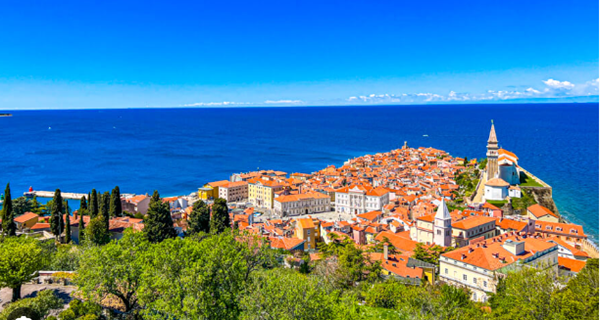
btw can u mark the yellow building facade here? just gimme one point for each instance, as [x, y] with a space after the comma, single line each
[210, 191]
[307, 231]
[262, 192]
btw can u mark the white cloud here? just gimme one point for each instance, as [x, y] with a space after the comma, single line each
[214, 104]
[553, 89]
[283, 101]
[559, 84]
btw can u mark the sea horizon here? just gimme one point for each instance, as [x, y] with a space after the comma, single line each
[537, 101]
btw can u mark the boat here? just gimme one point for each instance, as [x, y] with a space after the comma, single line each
[425, 135]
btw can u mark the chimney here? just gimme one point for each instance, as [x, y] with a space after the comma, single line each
[385, 251]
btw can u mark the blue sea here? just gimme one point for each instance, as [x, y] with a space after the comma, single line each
[178, 150]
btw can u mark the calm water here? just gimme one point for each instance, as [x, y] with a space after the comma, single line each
[177, 150]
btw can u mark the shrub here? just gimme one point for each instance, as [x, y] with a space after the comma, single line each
[81, 310]
[40, 304]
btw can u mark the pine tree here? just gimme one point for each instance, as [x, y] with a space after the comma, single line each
[81, 229]
[9, 227]
[56, 219]
[200, 218]
[158, 224]
[93, 205]
[220, 216]
[67, 223]
[115, 203]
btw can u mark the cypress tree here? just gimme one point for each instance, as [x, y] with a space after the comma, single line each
[220, 216]
[81, 229]
[67, 223]
[158, 224]
[56, 219]
[115, 203]
[106, 212]
[93, 205]
[104, 200]
[200, 218]
[9, 227]
[83, 203]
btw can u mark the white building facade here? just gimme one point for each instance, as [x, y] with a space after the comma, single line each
[306, 203]
[359, 199]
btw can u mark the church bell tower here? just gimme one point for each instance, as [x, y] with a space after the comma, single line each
[492, 154]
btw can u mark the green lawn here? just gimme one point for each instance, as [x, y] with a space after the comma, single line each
[527, 181]
[497, 203]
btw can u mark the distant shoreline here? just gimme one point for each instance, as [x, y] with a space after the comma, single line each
[5, 114]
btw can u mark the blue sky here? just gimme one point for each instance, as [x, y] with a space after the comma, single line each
[118, 54]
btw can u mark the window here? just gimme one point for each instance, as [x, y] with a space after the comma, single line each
[475, 280]
[465, 277]
[446, 270]
[485, 284]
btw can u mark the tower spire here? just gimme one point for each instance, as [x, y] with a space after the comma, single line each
[492, 138]
[492, 154]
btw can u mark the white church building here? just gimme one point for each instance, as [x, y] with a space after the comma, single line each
[502, 171]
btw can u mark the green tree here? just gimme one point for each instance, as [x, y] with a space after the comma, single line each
[335, 246]
[355, 266]
[105, 208]
[36, 207]
[115, 270]
[96, 232]
[579, 300]
[115, 203]
[158, 224]
[57, 223]
[199, 220]
[220, 220]
[190, 279]
[83, 203]
[20, 258]
[430, 254]
[81, 226]
[20, 206]
[67, 223]
[93, 205]
[9, 227]
[285, 294]
[528, 293]
[65, 257]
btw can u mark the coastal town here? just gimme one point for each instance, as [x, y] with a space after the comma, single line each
[424, 216]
